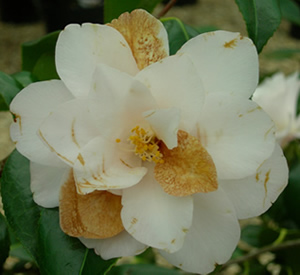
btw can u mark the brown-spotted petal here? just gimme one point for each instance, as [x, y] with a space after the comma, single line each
[145, 35]
[187, 169]
[95, 215]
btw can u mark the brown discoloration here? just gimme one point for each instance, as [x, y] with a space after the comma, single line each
[187, 169]
[142, 33]
[53, 150]
[254, 109]
[17, 118]
[73, 133]
[257, 176]
[173, 241]
[267, 178]
[81, 160]
[231, 44]
[241, 115]
[269, 131]
[134, 221]
[95, 215]
[126, 164]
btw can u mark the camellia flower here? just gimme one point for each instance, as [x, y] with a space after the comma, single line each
[140, 149]
[278, 96]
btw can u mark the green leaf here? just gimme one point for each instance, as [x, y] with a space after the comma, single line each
[9, 87]
[262, 19]
[21, 212]
[258, 235]
[177, 33]
[24, 78]
[32, 51]
[145, 269]
[290, 11]
[4, 241]
[44, 68]
[95, 265]
[17, 251]
[114, 8]
[69, 254]
[292, 194]
[282, 53]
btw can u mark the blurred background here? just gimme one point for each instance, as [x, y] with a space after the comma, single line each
[25, 20]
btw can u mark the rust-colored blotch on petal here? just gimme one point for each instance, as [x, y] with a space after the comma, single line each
[187, 169]
[95, 215]
[143, 33]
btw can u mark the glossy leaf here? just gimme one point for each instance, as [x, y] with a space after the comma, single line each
[258, 235]
[145, 269]
[21, 212]
[114, 8]
[292, 194]
[62, 254]
[177, 33]
[262, 19]
[9, 87]
[4, 241]
[290, 11]
[24, 78]
[32, 51]
[44, 68]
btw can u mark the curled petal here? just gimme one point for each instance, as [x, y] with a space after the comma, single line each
[255, 194]
[45, 183]
[80, 49]
[31, 107]
[165, 123]
[77, 219]
[155, 218]
[174, 81]
[186, 169]
[121, 245]
[106, 165]
[226, 62]
[212, 237]
[145, 35]
[237, 133]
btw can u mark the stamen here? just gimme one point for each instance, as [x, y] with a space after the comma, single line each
[146, 145]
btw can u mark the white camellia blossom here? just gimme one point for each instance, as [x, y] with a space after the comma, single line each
[278, 96]
[141, 149]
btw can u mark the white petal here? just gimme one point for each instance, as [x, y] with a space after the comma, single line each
[155, 218]
[80, 48]
[103, 165]
[165, 123]
[121, 245]
[70, 127]
[118, 100]
[45, 183]
[213, 236]
[255, 194]
[278, 95]
[31, 106]
[226, 62]
[174, 82]
[237, 133]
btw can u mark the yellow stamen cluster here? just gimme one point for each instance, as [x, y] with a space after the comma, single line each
[145, 145]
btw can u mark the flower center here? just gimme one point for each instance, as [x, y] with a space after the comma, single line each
[146, 145]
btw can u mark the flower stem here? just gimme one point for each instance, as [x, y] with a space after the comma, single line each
[256, 252]
[166, 8]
